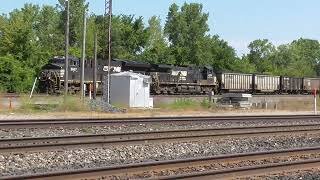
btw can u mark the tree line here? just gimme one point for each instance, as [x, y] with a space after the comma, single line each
[30, 36]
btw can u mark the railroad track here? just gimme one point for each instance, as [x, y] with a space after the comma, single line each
[33, 123]
[176, 95]
[63, 142]
[219, 96]
[197, 168]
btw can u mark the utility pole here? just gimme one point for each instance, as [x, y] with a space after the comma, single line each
[95, 67]
[83, 54]
[66, 65]
[108, 12]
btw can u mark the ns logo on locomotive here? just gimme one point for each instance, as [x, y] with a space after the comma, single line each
[168, 79]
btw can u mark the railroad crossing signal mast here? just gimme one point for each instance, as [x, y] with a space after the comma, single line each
[108, 13]
[66, 65]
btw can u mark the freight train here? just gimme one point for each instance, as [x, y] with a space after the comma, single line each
[168, 79]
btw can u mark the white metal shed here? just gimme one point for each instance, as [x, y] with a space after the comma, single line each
[131, 90]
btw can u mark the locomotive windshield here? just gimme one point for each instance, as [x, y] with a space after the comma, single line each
[60, 61]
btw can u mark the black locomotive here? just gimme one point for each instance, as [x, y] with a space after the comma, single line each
[168, 79]
[182, 80]
[51, 78]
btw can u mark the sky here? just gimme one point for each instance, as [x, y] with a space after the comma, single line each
[237, 21]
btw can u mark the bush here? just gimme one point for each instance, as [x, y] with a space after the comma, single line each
[13, 76]
[182, 104]
[26, 104]
[205, 103]
[30, 105]
[188, 104]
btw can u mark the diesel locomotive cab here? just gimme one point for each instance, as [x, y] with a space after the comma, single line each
[51, 78]
[52, 74]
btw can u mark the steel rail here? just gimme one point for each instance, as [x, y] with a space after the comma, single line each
[172, 96]
[134, 169]
[250, 171]
[219, 96]
[63, 142]
[186, 119]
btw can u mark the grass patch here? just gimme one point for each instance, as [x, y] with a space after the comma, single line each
[72, 104]
[187, 104]
[87, 130]
[205, 103]
[183, 104]
[36, 105]
[51, 104]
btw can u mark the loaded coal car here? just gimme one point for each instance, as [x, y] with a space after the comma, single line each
[51, 78]
[291, 85]
[310, 84]
[234, 82]
[266, 84]
[168, 79]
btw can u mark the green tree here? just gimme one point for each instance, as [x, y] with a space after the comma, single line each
[19, 39]
[260, 53]
[29, 38]
[13, 76]
[306, 56]
[129, 36]
[297, 59]
[281, 59]
[186, 30]
[223, 56]
[3, 24]
[156, 49]
[243, 65]
[51, 38]
[77, 7]
[91, 30]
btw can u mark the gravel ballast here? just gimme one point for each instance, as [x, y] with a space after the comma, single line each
[37, 162]
[142, 127]
[215, 166]
[289, 175]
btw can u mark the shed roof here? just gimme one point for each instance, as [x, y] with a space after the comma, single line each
[132, 75]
